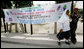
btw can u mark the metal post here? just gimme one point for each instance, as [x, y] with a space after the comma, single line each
[6, 27]
[31, 29]
[3, 19]
[25, 28]
[31, 26]
[4, 24]
[30, 22]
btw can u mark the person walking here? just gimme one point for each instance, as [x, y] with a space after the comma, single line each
[73, 25]
[64, 32]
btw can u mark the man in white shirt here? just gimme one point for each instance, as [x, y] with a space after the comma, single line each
[65, 27]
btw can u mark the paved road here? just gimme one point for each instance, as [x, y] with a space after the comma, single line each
[36, 41]
[37, 44]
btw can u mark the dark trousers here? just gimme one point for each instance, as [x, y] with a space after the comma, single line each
[62, 35]
[67, 35]
[73, 27]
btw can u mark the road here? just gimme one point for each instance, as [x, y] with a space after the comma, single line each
[36, 41]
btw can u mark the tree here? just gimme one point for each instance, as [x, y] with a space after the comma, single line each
[20, 4]
[74, 4]
[5, 5]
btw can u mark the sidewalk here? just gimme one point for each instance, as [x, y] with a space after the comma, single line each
[36, 40]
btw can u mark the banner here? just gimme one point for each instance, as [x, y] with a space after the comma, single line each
[36, 15]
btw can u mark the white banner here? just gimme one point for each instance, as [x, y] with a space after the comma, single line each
[36, 15]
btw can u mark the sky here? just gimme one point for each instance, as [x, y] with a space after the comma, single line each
[78, 5]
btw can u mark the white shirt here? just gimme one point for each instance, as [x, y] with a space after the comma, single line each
[64, 21]
[65, 26]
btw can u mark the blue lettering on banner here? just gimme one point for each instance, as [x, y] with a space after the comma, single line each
[31, 10]
[38, 21]
[25, 21]
[34, 10]
[26, 11]
[21, 11]
[40, 9]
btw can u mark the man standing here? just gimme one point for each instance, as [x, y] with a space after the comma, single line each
[73, 25]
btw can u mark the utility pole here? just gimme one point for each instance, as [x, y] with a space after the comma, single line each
[72, 7]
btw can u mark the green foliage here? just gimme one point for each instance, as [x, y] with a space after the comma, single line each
[61, 1]
[5, 5]
[23, 3]
[80, 11]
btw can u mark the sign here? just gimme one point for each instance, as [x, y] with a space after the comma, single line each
[36, 15]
